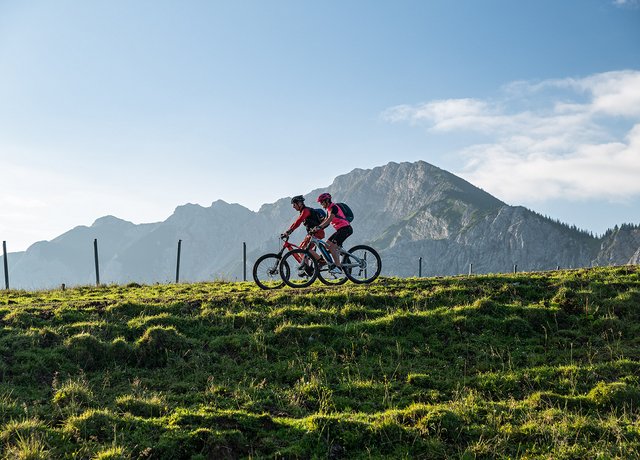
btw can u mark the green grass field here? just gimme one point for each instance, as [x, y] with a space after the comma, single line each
[533, 365]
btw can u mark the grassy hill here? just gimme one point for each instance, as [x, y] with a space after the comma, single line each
[538, 365]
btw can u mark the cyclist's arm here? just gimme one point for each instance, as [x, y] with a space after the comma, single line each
[303, 215]
[325, 223]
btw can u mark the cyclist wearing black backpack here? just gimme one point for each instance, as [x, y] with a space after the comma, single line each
[341, 222]
[311, 218]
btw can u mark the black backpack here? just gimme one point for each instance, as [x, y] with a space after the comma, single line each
[321, 214]
[317, 215]
[346, 210]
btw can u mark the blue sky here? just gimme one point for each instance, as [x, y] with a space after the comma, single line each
[133, 108]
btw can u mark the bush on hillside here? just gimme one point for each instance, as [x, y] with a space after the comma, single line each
[157, 344]
[616, 395]
[86, 350]
[73, 393]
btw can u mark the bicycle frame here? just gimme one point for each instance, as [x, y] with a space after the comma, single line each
[288, 247]
[322, 247]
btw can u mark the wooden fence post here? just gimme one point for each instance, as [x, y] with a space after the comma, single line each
[6, 265]
[420, 267]
[95, 255]
[244, 261]
[470, 269]
[178, 262]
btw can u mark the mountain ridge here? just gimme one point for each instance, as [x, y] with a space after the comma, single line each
[405, 210]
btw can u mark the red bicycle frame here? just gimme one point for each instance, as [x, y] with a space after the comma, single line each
[289, 246]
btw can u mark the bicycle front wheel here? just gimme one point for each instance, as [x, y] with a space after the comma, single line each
[362, 264]
[266, 272]
[298, 269]
[331, 279]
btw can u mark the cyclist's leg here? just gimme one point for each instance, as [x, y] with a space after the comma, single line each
[312, 247]
[336, 240]
[306, 244]
[333, 250]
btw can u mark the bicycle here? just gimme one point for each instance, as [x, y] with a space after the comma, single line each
[361, 264]
[270, 271]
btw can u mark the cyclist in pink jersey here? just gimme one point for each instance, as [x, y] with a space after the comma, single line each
[337, 219]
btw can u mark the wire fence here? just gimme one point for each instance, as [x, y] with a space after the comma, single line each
[96, 258]
[419, 271]
[515, 268]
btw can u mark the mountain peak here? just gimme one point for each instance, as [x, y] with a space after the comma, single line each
[219, 204]
[188, 207]
[110, 221]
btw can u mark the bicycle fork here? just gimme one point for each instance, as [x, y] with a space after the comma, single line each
[276, 267]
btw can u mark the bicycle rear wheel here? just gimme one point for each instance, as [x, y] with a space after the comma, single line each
[266, 272]
[298, 269]
[362, 265]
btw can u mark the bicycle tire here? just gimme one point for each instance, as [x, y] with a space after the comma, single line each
[293, 278]
[330, 280]
[368, 273]
[266, 272]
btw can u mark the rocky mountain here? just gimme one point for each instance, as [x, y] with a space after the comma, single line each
[406, 211]
[620, 246]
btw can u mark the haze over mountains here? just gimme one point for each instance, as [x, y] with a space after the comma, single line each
[406, 211]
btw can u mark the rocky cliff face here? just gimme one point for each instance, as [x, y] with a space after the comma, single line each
[620, 246]
[493, 242]
[406, 211]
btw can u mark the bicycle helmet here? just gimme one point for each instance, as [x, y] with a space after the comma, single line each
[324, 197]
[297, 199]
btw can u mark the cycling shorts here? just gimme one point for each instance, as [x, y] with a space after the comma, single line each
[341, 234]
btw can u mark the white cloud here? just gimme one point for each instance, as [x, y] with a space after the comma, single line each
[615, 93]
[550, 139]
[602, 170]
[447, 115]
[627, 3]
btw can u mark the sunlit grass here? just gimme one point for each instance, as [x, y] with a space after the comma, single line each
[539, 365]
